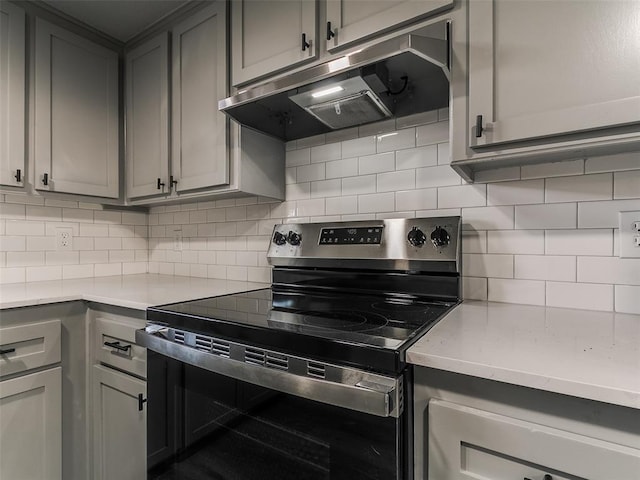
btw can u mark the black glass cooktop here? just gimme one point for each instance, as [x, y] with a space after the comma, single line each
[336, 327]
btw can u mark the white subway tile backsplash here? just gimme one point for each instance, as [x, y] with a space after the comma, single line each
[528, 292]
[603, 214]
[24, 259]
[444, 154]
[557, 169]
[359, 185]
[586, 296]
[612, 163]
[562, 215]
[485, 265]
[417, 157]
[10, 243]
[382, 162]
[432, 133]
[359, 147]
[516, 241]
[341, 205]
[579, 188]
[45, 243]
[324, 153]
[307, 208]
[394, 181]
[62, 258]
[310, 173]
[462, 196]
[627, 299]
[298, 191]
[488, 218]
[77, 215]
[398, 140]
[27, 228]
[35, 213]
[40, 274]
[474, 242]
[516, 193]
[579, 242]
[498, 175]
[12, 275]
[109, 269]
[379, 202]
[12, 211]
[326, 188]
[437, 176]
[417, 199]
[626, 184]
[383, 126]
[107, 216]
[77, 271]
[541, 267]
[342, 168]
[474, 288]
[296, 158]
[625, 271]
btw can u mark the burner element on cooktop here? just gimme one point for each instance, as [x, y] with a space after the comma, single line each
[344, 320]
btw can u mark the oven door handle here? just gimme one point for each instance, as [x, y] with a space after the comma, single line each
[357, 390]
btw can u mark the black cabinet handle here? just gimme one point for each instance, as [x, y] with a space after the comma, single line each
[330, 33]
[305, 44]
[7, 350]
[18, 175]
[160, 185]
[45, 179]
[172, 182]
[479, 128]
[141, 402]
[117, 346]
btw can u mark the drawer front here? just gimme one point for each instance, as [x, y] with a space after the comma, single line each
[115, 345]
[33, 345]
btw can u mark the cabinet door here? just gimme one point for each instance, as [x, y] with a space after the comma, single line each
[199, 151]
[538, 69]
[267, 36]
[147, 94]
[352, 20]
[76, 114]
[12, 99]
[470, 444]
[119, 426]
[31, 426]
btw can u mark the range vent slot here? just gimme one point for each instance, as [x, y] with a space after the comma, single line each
[277, 361]
[178, 336]
[203, 343]
[220, 348]
[254, 355]
[316, 370]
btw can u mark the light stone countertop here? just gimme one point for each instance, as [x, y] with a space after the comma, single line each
[582, 353]
[130, 291]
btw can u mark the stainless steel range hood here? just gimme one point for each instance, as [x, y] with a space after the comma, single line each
[402, 76]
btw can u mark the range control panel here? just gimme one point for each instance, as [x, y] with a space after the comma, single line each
[394, 241]
[351, 235]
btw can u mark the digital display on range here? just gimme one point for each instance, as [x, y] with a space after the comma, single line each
[351, 236]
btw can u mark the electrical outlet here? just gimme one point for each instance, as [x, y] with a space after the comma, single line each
[64, 239]
[629, 234]
[177, 240]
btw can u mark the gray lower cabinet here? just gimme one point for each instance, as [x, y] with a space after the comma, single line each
[119, 425]
[76, 114]
[12, 94]
[31, 426]
[547, 81]
[468, 428]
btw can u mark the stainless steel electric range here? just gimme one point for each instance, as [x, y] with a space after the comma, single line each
[306, 379]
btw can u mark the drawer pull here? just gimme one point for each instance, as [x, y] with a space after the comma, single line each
[141, 402]
[7, 350]
[305, 44]
[117, 346]
[479, 128]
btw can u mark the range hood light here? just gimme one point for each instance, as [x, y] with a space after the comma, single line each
[327, 91]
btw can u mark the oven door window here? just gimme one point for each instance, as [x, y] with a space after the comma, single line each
[215, 427]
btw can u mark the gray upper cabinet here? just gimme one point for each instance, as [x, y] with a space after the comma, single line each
[12, 94]
[351, 20]
[199, 131]
[76, 114]
[541, 75]
[147, 100]
[268, 36]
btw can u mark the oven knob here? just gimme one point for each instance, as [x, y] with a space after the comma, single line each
[416, 237]
[279, 238]
[440, 237]
[294, 238]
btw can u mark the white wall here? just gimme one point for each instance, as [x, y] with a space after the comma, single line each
[543, 235]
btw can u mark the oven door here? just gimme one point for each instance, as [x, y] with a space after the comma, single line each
[205, 424]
